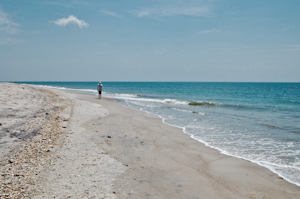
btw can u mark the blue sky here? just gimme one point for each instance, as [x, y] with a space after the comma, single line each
[150, 40]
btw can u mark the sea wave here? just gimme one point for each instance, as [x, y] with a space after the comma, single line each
[137, 97]
[206, 104]
[188, 111]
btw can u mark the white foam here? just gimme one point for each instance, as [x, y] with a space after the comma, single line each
[126, 95]
[136, 98]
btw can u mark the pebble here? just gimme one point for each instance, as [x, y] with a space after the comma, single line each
[20, 170]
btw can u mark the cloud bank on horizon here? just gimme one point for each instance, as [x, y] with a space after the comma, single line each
[170, 40]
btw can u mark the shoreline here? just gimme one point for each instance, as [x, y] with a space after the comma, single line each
[220, 150]
[148, 158]
[278, 168]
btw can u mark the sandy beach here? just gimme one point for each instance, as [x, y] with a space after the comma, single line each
[63, 144]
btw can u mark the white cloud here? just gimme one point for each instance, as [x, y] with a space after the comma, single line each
[200, 11]
[107, 12]
[7, 25]
[209, 31]
[71, 20]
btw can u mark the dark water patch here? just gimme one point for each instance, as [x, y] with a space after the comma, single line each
[272, 126]
[147, 96]
[212, 104]
[203, 104]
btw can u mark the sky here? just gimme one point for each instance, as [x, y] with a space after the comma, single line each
[150, 40]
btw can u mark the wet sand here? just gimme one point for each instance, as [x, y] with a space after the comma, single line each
[104, 149]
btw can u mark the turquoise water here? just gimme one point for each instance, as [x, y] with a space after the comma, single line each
[259, 122]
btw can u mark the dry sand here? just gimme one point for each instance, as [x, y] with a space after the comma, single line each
[103, 149]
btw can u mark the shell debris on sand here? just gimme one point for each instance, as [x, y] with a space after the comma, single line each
[22, 164]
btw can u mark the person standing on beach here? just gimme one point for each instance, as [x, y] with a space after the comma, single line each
[99, 89]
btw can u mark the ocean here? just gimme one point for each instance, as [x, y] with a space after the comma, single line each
[259, 122]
